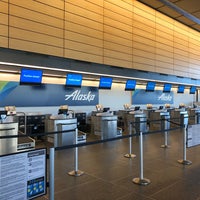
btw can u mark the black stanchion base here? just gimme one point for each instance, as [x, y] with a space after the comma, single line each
[165, 146]
[76, 173]
[128, 155]
[185, 162]
[140, 181]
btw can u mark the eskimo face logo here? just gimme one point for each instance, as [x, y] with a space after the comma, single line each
[78, 96]
[165, 97]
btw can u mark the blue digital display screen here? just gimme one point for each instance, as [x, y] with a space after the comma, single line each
[31, 76]
[193, 89]
[181, 89]
[105, 83]
[130, 85]
[167, 87]
[150, 87]
[74, 80]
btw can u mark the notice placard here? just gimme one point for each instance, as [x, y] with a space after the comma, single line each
[23, 175]
[193, 135]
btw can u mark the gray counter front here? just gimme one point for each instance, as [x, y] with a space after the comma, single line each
[104, 125]
[65, 138]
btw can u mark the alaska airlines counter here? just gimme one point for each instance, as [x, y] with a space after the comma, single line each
[8, 145]
[104, 125]
[61, 138]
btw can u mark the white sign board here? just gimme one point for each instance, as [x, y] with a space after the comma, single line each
[193, 135]
[23, 175]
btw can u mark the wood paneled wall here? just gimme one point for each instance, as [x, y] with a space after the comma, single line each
[122, 33]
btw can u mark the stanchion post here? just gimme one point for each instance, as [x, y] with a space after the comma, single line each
[76, 171]
[130, 155]
[184, 122]
[141, 180]
[165, 125]
[51, 173]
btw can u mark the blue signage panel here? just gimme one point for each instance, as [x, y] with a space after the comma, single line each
[140, 96]
[11, 93]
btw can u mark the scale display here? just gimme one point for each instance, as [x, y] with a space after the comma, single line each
[23, 175]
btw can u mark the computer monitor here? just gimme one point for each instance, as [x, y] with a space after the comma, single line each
[150, 86]
[105, 83]
[74, 80]
[167, 87]
[193, 89]
[31, 77]
[130, 85]
[181, 89]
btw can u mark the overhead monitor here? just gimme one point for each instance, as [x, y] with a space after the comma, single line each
[105, 83]
[167, 87]
[74, 80]
[181, 89]
[130, 85]
[150, 86]
[31, 77]
[193, 89]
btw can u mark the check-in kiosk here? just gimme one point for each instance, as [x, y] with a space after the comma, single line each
[194, 116]
[175, 116]
[65, 124]
[104, 123]
[158, 120]
[139, 121]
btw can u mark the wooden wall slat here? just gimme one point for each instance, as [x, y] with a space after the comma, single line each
[35, 27]
[73, 18]
[122, 33]
[74, 54]
[34, 47]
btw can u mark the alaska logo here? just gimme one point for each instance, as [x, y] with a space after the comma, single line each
[78, 96]
[165, 97]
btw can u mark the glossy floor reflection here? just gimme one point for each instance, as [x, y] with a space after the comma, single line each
[108, 174]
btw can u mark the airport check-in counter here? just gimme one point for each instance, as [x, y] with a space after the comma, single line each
[176, 115]
[158, 120]
[104, 125]
[140, 120]
[8, 145]
[62, 138]
[194, 116]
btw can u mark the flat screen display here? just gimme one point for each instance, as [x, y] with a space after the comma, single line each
[150, 87]
[130, 85]
[74, 80]
[105, 83]
[31, 76]
[181, 89]
[193, 89]
[167, 87]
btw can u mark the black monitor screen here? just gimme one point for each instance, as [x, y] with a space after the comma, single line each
[181, 89]
[193, 89]
[105, 83]
[167, 87]
[150, 87]
[31, 76]
[130, 85]
[74, 80]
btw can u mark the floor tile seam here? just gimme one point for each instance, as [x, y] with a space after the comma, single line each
[73, 187]
[168, 186]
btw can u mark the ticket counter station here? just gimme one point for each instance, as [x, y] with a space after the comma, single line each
[61, 138]
[104, 125]
[157, 119]
[8, 145]
[175, 116]
[194, 116]
[139, 121]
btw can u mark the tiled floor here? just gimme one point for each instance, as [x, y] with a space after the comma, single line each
[108, 175]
